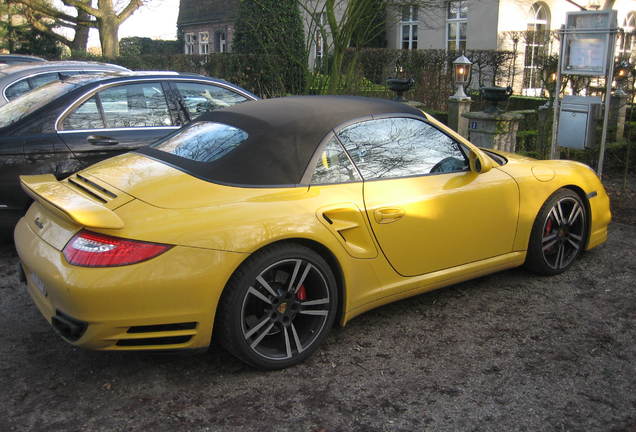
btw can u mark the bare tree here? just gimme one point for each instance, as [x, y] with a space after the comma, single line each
[350, 23]
[106, 17]
[44, 18]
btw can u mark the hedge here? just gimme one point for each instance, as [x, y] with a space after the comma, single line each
[269, 75]
[431, 69]
[257, 73]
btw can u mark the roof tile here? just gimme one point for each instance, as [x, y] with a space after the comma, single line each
[207, 11]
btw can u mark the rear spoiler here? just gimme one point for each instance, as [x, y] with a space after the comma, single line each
[61, 199]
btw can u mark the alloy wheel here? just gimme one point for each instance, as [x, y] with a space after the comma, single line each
[563, 233]
[284, 309]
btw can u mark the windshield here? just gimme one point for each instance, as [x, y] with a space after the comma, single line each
[24, 105]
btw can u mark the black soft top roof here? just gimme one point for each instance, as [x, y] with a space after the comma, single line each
[283, 135]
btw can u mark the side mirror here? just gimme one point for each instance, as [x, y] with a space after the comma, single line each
[479, 162]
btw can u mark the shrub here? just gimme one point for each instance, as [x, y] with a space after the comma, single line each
[273, 30]
[136, 46]
[431, 70]
[275, 74]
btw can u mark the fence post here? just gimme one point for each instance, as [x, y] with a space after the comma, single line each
[456, 120]
[544, 128]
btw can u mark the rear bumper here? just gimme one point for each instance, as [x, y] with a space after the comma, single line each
[168, 302]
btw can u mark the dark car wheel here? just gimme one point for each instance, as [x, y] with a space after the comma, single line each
[558, 234]
[278, 307]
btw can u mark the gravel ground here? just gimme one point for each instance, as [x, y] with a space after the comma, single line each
[506, 352]
[622, 197]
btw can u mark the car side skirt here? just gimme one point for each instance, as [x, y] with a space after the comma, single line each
[439, 279]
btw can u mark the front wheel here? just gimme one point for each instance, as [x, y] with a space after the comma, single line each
[558, 234]
[278, 307]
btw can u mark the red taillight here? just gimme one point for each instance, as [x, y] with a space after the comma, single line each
[88, 249]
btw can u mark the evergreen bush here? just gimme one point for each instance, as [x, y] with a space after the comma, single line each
[273, 31]
[135, 46]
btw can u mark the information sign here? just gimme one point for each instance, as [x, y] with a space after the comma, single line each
[587, 39]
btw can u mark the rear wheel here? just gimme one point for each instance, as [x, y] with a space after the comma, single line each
[278, 307]
[558, 235]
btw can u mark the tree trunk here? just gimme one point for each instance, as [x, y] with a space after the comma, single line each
[108, 36]
[80, 41]
[10, 31]
[335, 73]
[608, 4]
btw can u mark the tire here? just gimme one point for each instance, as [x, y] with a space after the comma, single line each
[277, 307]
[558, 235]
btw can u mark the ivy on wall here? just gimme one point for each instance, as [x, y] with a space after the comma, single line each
[273, 30]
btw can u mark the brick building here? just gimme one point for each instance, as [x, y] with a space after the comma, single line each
[207, 25]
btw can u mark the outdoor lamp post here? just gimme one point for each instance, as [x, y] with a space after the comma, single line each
[461, 74]
[618, 103]
[459, 103]
[622, 70]
[621, 73]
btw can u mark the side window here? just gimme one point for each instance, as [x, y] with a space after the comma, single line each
[87, 116]
[401, 147]
[17, 89]
[92, 72]
[67, 74]
[135, 105]
[200, 98]
[333, 165]
[40, 80]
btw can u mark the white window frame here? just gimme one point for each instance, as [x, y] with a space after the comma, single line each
[456, 22]
[204, 43]
[533, 68]
[410, 21]
[319, 43]
[627, 42]
[190, 43]
[222, 35]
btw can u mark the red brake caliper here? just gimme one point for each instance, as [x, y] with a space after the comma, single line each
[548, 226]
[302, 293]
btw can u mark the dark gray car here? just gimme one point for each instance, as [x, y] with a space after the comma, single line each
[10, 59]
[65, 126]
[16, 80]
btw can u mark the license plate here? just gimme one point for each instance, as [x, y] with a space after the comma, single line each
[39, 284]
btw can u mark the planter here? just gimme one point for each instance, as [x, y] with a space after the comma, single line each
[400, 86]
[494, 95]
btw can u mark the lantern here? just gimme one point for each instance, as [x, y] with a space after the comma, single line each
[622, 70]
[461, 74]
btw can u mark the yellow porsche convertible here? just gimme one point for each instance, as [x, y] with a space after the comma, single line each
[263, 224]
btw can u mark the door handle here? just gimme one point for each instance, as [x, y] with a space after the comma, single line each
[388, 214]
[101, 140]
